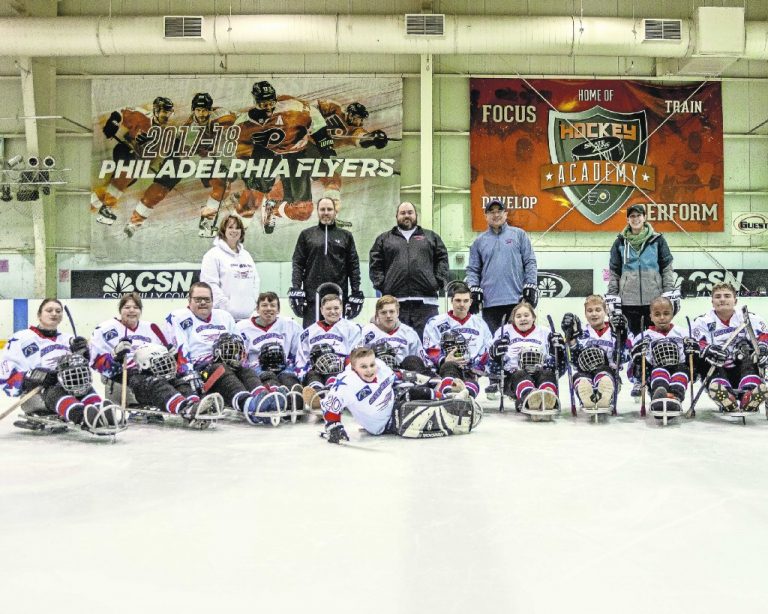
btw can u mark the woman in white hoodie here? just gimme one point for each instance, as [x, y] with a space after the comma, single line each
[230, 270]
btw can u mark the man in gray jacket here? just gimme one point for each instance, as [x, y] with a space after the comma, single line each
[502, 267]
[410, 263]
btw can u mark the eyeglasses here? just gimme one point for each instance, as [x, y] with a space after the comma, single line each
[201, 300]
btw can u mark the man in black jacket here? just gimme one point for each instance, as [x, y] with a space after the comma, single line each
[410, 263]
[325, 253]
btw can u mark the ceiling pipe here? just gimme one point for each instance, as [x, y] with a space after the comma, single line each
[274, 34]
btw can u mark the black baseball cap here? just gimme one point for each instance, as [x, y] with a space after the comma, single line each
[493, 203]
[636, 209]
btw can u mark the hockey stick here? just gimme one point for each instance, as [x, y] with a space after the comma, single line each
[711, 372]
[557, 365]
[24, 398]
[753, 340]
[124, 382]
[71, 321]
[159, 334]
[642, 369]
[691, 412]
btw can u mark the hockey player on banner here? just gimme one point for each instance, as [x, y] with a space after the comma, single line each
[209, 343]
[596, 353]
[369, 389]
[272, 344]
[457, 342]
[666, 348]
[56, 365]
[129, 129]
[735, 383]
[527, 352]
[140, 347]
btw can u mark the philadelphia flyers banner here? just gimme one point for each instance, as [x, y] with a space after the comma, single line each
[572, 155]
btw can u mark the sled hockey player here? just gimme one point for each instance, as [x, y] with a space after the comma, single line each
[595, 353]
[57, 363]
[457, 342]
[393, 342]
[737, 380]
[369, 389]
[140, 347]
[528, 354]
[666, 348]
[324, 348]
[271, 345]
[209, 344]
[129, 128]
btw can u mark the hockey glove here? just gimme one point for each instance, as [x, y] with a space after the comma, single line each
[79, 345]
[122, 350]
[334, 432]
[762, 359]
[638, 350]
[531, 294]
[674, 298]
[112, 124]
[618, 323]
[613, 303]
[715, 355]
[556, 343]
[38, 377]
[354, 305]
[298, 300]
[377, 139]
[476, 293]
[324, 143]
[690, 347]
[499, 348]
[571, 327]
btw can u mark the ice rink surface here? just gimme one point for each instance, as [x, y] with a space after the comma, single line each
[621, 517]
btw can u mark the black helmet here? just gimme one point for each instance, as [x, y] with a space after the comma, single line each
[451, 340]
[272, 357]
[202, 100]
[161, 103]
[357, 109]
[263, 90]
[229, 349]
[386, 353]
[325, 360]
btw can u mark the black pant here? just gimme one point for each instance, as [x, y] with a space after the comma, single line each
[232, 381]
[156, 391]
[415, 314]
[634, 313]
[497, 316]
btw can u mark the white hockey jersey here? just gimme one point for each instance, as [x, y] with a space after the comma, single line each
[603, 339]
[284, 331]
[652, 336]
[194, 337]
[709, 328]
[370, 403]
[26, 350]
[534, 338]
[111, 332]
[403, 339]
[472, 327]
[343, 337]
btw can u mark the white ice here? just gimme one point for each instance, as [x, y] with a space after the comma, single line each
[566, 517]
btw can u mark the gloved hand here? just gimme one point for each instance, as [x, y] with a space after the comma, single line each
[79, 345]
[142, 138]
[298, 301]
[571, 327]
[38, 377]
[499, 348]
[531, 294]
[354, 305]
[122, 350]
[674, 298]
[690, 347]
[476, 293]
[377, 139]
[613, 303]
[112, 125]
[618, 323]
[715, 355]
[334, 432]
[556, 342]
[762, 359]
[638, 350]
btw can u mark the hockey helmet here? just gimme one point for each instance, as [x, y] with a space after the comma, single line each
[156, 359]
[358, 110]
[229, 349]
[531, 358]
[263, 90]
[665, 353]
[325, 360]
[74, 374]
[591, 359]
[161, 103]
[452, 340]
[272, 357]
[386, 353]
[202, 100]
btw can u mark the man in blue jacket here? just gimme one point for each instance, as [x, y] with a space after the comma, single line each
[502, 267]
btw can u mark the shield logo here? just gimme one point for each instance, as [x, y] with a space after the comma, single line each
[600, 135]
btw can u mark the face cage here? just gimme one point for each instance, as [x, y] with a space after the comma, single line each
[591, 359]
[75, 379]
[665, 353]
[163, 365]
[230, 352]
[531, 360]
[388, 359]
[273, 359]
[329, 364]
[461, 348]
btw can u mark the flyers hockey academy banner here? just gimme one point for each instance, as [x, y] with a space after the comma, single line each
[544, 147]
[172, 157]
